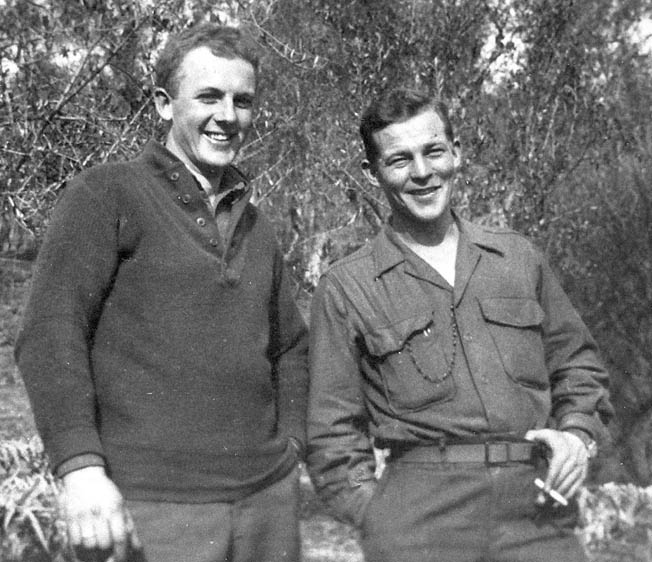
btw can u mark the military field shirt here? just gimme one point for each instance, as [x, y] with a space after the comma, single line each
[399, 355]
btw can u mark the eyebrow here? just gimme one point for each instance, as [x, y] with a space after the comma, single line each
[397, 152]
[217, 91]
[210, 90]
[408, 152]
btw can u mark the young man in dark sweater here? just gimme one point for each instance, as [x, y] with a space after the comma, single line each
[162, 350]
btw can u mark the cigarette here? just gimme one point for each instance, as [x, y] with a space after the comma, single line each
[554, 494]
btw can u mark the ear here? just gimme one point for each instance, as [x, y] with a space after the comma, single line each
[370, 173]
[163, 103]
[457, 153]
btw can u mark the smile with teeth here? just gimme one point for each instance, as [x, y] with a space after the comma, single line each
[217, 137]
[423, 192]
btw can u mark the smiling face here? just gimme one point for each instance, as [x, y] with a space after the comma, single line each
[415, 166]
[211, 111]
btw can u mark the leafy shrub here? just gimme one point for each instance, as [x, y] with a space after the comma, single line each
[617, 521]
[31, 529]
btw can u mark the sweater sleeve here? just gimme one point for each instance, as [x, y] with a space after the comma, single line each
[73, 274]
[289, 353]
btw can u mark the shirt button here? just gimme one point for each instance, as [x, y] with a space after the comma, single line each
[201, 221]
[185, 198]
[214, 242]
[174, 176]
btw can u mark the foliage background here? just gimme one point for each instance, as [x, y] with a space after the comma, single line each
[551, 99]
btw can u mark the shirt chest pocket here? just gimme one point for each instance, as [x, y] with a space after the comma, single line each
[515, 327]
[413, 358]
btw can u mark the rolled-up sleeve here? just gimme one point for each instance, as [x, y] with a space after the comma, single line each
[578, 379]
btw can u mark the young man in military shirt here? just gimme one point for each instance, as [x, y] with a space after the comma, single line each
[453, 346]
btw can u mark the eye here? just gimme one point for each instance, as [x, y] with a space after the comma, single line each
[435, 151]
[397, 162]
[243, 102]
[209, 99]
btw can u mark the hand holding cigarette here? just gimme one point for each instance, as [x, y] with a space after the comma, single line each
[568, 463]
[552, 493]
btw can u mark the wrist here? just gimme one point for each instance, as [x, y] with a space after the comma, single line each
[83, 474]
[586, 438]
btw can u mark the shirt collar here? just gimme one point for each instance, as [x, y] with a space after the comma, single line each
[388, 253]
[484, 237]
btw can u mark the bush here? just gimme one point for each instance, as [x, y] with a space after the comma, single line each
[31, 529]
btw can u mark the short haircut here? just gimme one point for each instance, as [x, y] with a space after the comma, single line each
[223, 41]
[394, 106]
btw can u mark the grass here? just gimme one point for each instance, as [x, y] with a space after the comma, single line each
[616, 523]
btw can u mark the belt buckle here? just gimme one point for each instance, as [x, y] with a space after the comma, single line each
[496, 452]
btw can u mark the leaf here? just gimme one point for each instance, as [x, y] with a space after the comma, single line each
[36, 526]
[10, 511]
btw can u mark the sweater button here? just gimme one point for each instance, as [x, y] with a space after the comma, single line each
[201, 221]
[174, 176]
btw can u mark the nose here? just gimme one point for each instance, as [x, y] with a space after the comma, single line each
[225, 110]
[420, 168]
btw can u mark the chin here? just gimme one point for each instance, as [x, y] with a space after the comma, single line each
[427, 218]
[219, 161]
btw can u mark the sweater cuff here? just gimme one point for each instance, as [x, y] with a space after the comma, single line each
[64, 445]
[77, 463]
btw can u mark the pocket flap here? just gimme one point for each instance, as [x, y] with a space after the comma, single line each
[516, 312]
[390, 339]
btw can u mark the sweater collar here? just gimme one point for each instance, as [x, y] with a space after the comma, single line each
[165, 163]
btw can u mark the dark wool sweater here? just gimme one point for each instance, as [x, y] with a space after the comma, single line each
[148, 340]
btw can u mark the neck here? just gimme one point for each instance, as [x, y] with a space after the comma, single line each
[435, 244]
[210, 181]
[429, 234]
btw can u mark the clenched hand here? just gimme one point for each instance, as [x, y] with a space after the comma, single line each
[95, 514]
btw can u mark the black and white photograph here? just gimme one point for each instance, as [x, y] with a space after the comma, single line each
[325, 281]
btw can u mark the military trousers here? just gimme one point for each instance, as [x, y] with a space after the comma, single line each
[466, 512]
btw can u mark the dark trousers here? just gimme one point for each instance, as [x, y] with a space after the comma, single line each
[466, 512]
[263, 527]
